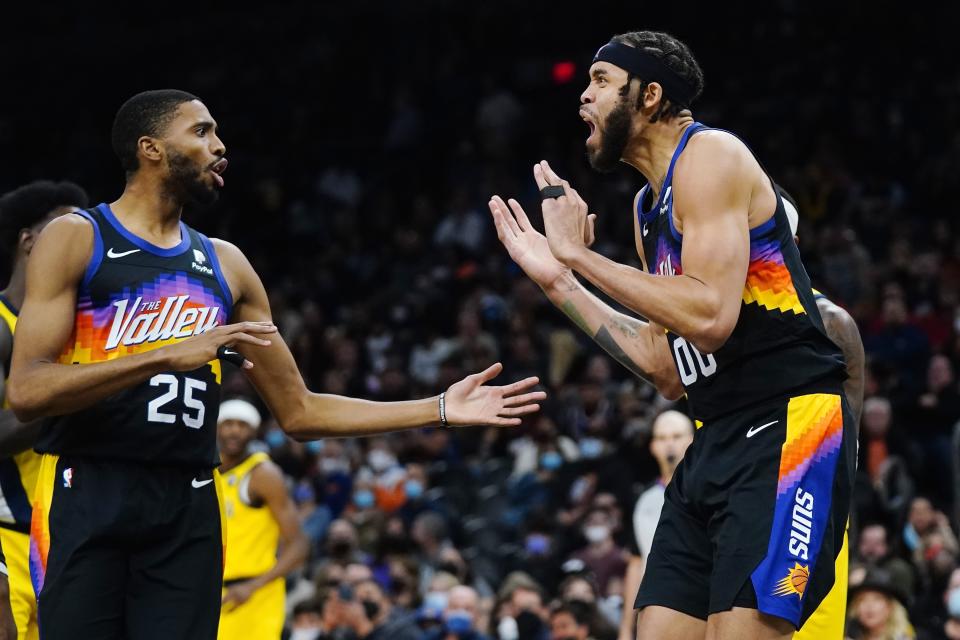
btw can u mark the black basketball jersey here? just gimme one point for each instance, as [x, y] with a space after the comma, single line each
[135, 297]
[778, 344]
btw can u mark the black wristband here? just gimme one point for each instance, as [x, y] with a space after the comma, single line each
[552, 191]
[230, 355]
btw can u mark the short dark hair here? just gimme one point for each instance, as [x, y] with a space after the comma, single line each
[676, 55]
[145, 114]
[28, 205]
[581, 612]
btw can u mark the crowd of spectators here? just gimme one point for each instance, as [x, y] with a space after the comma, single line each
[363, 149]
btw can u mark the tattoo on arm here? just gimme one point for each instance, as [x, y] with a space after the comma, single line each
[625, 326]
[842, 329]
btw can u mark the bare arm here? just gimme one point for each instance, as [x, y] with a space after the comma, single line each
[266, 484]
[702, 304]
[15, 436]
[842, 329]
[39, 385]
[306, 415]
[639, 346]
[631, 585]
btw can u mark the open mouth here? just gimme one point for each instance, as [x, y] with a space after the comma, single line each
[590, 123]
[217, 169]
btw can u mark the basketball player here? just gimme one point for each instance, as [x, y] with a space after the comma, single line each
[125, 315]
[755, 514]
[259, 515]
[828, 621]
[24, 212]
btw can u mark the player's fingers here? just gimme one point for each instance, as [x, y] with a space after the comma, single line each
[488, 374]
[250, 327]
[549, 173]
[520, 215]
[506, 422]
[526, 398]
[519, 411]
[510, 219]
[539, 176]
[520, 386]
[498, 221]
[591, 233]
[246, 338]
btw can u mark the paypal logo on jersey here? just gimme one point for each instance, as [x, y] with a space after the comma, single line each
[198, 263]
[158, 320]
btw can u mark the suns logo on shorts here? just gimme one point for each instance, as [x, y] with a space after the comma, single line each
[795, 582]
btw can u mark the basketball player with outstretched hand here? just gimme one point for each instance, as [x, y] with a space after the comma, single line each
[127, 310]
[754, 516]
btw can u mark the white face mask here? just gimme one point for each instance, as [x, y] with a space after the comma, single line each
[596, 533]
[379, 460]
[305, 634]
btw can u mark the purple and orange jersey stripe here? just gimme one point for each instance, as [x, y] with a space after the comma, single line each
[769, 283]
[40, 523]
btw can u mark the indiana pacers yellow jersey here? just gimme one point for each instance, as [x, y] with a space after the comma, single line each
[252, 532]
[18, 478]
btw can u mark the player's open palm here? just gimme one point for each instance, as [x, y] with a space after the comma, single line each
[526, 246]
[199, 350]
[470, 402]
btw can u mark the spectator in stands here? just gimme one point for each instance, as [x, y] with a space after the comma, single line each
[931, 541]
[570, 621]
[370, 615]
[873, 552]
[877, 611]
[601, 555]
[461, 618]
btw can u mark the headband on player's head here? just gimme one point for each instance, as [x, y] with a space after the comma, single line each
[649, 68]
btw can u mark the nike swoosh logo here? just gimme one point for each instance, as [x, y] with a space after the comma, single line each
[228, 352]
[200, 483]
[114, 254]
[755, 430]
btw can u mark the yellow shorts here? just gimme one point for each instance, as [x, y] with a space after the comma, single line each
[827, 622]
[259, 618]
[23, 601]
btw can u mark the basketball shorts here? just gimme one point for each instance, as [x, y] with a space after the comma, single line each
[126, 550]
[259, 617]
[23, 601]
[756, 512]
[830, 618]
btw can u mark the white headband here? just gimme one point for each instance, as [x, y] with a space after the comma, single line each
[239, 410]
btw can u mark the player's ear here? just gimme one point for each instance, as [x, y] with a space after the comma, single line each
[652, 96]
[26, 240]
[149, 148]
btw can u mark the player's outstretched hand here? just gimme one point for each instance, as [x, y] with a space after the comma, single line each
[526, 246]
[568, 226]
[470, 402]
[199, 350]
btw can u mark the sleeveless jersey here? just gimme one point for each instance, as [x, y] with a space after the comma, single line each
[18, 474]
[252, 533]
[135, 297]
[778, 345]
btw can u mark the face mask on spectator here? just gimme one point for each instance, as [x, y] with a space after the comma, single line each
[315, 446]
[379, 460]
[363, 498]
[591, 447]
[596, 533]
[413, 489]
[910, 537]
[507, 629]
[551, 460]
[371, 609]
[537, 545]
[953, 602]
[459, 622]
[330, 466]
[529, 624]
[275, 438]
[305, 634]
[435, 601]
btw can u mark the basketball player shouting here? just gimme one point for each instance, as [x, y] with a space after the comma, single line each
[125, 315]
[755, 514]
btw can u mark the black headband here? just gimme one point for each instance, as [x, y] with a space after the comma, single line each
[648, 68]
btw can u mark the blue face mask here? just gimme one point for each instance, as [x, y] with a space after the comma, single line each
[591, 447]
[910, 537]
[537, 545]
[276, 438]
[413, 489]
[953, 602]
[551, 460]
[459, 622]
[315, 446]
[363, 499]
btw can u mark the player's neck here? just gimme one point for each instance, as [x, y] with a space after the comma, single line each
[228, 462]
[650, 152]
[149, 211]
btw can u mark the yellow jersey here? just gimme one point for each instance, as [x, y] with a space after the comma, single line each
[252, 532]
[18, 474]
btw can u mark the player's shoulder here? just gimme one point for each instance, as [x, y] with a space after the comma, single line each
[72, 226]
[712, 146]
[834, 315]
[67, 241]
[267, 480]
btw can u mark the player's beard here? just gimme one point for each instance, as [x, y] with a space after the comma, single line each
[613, 139]
[186, 183]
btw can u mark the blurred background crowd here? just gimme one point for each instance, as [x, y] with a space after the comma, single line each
[364, 143]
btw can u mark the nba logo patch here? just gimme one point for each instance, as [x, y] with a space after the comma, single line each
[68, 477]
